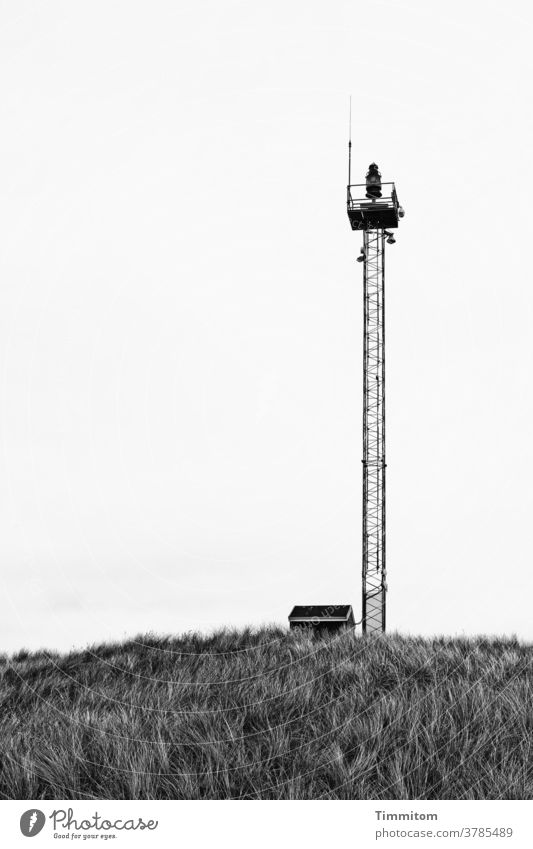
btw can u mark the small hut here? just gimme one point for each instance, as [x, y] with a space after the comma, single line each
[322, 618]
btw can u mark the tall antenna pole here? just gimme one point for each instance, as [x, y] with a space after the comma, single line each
[372, 207]
[350, 147]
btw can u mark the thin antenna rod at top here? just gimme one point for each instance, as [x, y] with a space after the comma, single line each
[350, 146]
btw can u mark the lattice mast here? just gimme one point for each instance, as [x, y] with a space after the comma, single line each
[376, 213]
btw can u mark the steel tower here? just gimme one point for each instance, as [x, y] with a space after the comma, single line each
[373, 208]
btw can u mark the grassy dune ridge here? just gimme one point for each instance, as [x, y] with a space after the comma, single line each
[272, 715]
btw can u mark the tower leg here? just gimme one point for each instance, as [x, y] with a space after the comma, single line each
[374, 565]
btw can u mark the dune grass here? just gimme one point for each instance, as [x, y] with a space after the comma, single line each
[270, 715]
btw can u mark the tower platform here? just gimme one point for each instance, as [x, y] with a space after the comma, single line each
[373, 213]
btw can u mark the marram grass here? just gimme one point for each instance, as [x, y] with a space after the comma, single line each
[270, 715]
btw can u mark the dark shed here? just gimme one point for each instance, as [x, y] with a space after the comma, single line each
[323, 618]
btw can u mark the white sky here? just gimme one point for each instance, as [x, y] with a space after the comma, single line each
[181, 313]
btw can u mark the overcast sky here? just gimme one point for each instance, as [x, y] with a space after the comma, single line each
[181, 313]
